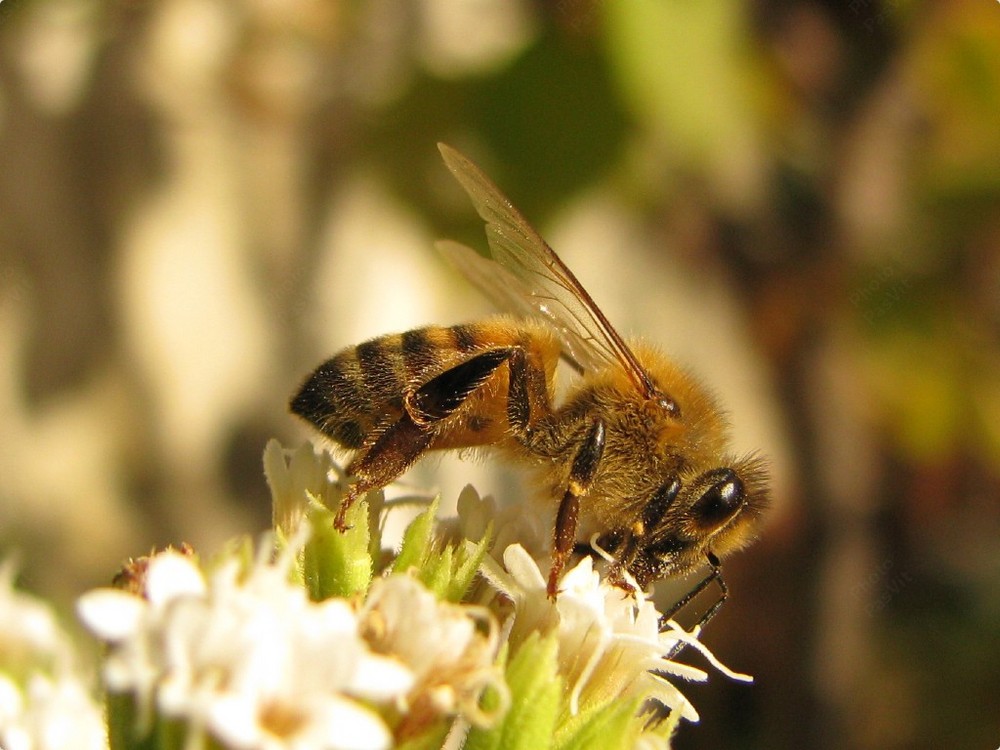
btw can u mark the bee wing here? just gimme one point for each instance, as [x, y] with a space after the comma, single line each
[507, 292]
[548, 288]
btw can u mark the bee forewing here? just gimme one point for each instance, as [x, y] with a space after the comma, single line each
[491, 204]
[559, 295]
[508, 293]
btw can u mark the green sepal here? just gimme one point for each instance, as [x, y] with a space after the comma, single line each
[611, 726]
[375, 500]
[536, 691]
[335, 563]
[418, 541]
[172, 734]
[467, 561]
[124, 730]
[436, 571]
[447, 570]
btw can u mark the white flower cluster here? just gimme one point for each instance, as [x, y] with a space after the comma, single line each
[610, 644]
[44, 705]
[443, 644]
[249, 660]
[244, 657]
[610, 647]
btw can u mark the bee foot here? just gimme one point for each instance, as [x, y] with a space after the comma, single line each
[340, 522]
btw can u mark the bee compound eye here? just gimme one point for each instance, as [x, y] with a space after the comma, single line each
[722, 498]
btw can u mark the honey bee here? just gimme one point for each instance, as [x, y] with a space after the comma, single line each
[636, 450]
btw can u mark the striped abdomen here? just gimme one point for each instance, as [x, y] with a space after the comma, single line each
[361, 389]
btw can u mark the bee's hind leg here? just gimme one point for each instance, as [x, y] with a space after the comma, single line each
[395, 450]
[402, 442]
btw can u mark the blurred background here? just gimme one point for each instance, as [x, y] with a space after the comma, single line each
[200, 200]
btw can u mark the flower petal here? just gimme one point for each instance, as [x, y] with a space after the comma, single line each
[523, 567]
[109, 614]
[381, 678]
[172, 575]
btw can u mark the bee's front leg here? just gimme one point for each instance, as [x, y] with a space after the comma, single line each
[715, 574]
[581, 476]
[402, 442]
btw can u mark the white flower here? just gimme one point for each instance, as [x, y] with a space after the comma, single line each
[44, 704]
[450, 648]
[609, 640]
[30, 637]
[296, 476]
[53, 714]
[511, 522]
[246, 656]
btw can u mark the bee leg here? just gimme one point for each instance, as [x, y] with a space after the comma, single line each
[715, 574]
[396, 448]
[581, 475]
[658, 712]
[403, 441]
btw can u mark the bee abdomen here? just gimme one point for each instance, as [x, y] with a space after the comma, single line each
[362, 387]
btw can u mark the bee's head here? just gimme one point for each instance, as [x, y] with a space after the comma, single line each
[715, 511]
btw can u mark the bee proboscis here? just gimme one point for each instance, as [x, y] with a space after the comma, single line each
[637, 448]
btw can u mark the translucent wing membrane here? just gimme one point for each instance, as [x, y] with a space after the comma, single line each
[526, 276]
[507, 292]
